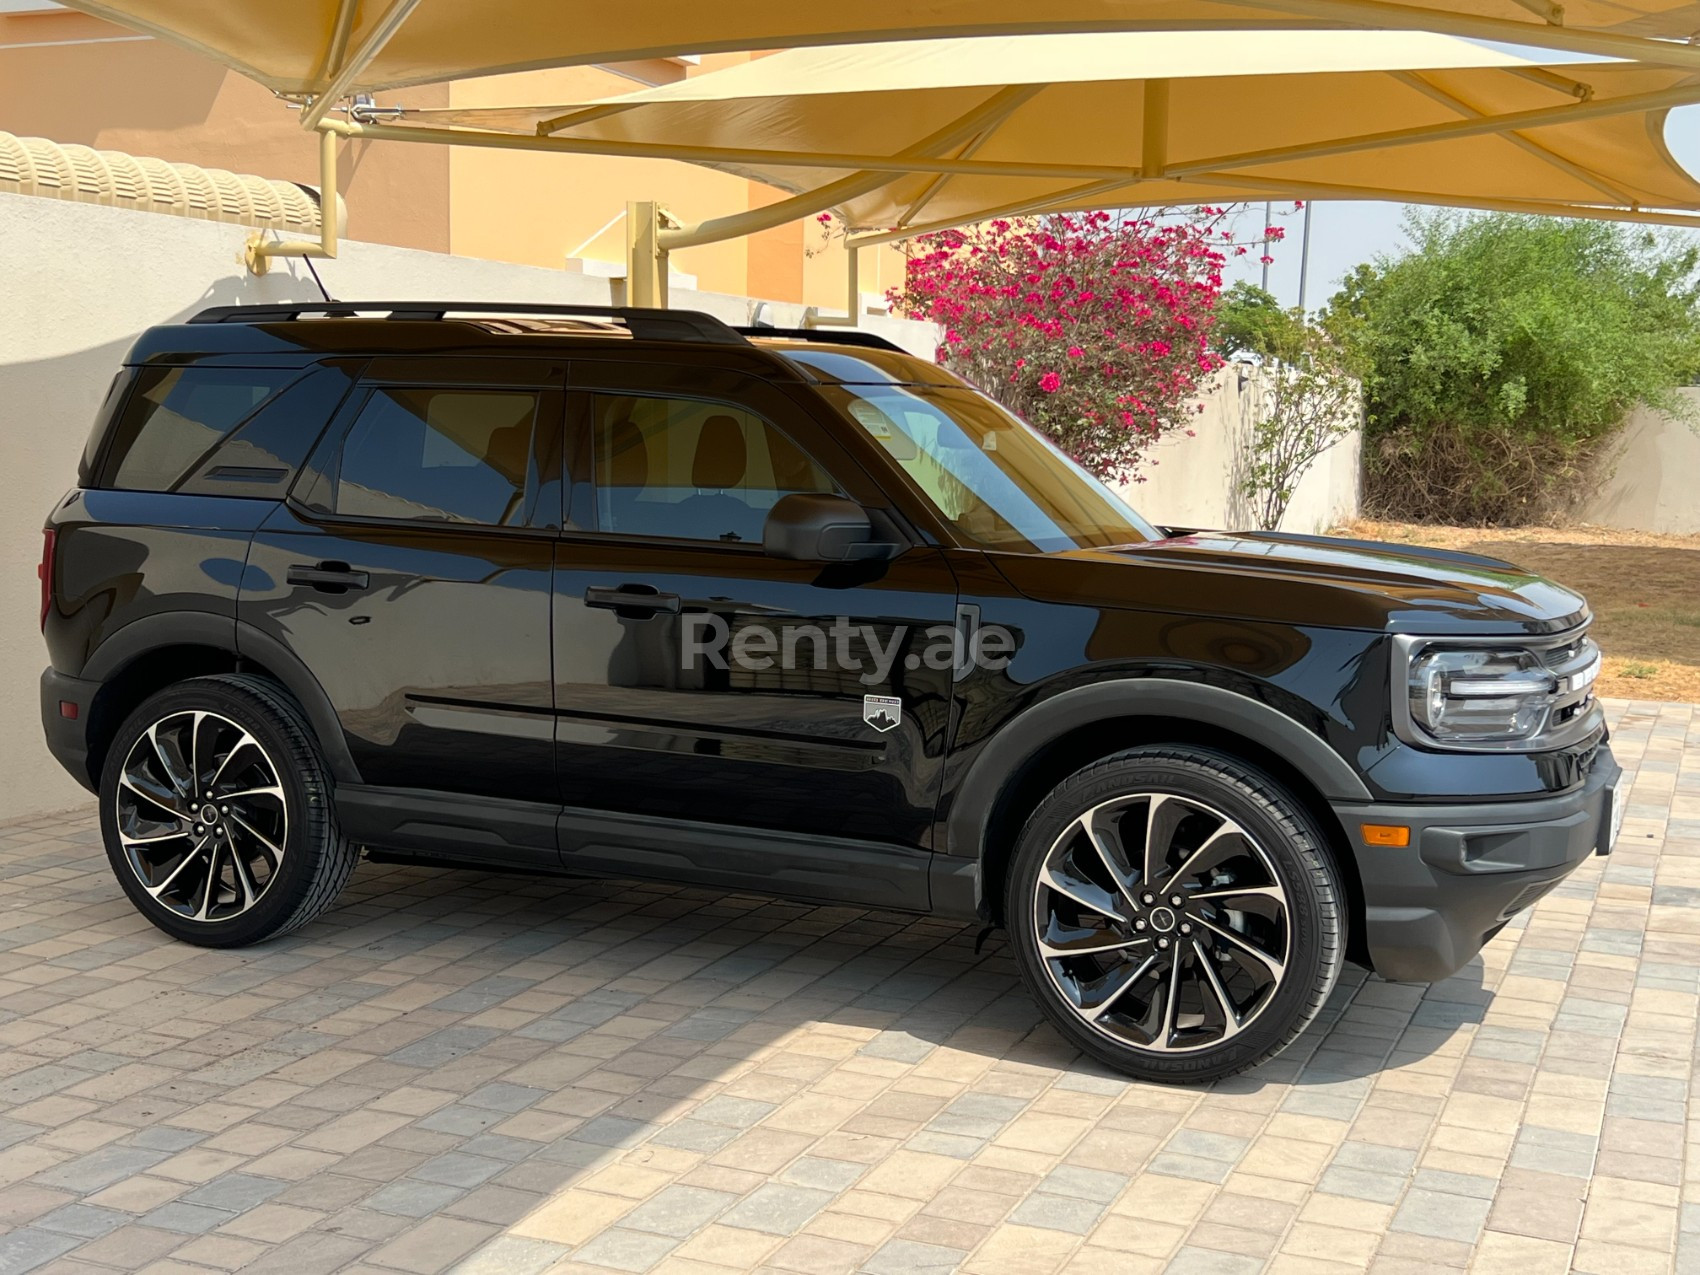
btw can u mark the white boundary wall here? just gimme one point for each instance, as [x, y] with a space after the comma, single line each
[1651, 486]
[1194, 480]
[80, 282]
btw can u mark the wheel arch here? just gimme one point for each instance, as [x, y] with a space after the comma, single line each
[152, 653]
[1046, 743]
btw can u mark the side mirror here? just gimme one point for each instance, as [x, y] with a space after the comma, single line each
[816, 527]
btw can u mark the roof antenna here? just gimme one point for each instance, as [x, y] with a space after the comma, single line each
[311, 269]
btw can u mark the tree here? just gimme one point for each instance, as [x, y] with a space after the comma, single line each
[1502, 352]
[1094, 327]
[1310, 395]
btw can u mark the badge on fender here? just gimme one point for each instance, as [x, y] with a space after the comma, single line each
[882, 712]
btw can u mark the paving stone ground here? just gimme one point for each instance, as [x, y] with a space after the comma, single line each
[481, 1073]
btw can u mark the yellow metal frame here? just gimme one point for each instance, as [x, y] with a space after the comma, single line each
[652, 233]
[260, 250]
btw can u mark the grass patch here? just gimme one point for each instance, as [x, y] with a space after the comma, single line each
[1644, 589]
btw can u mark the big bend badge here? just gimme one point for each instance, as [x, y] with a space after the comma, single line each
[882, 712]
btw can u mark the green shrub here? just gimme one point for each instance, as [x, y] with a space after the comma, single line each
[1501, 352]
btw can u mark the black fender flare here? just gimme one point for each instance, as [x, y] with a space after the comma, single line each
[1034, 728]
[242, 641]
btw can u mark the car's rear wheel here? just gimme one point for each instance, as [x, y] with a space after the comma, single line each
[216, 811]
[1176, 913]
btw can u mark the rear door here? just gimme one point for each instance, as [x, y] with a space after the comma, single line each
[410, 571]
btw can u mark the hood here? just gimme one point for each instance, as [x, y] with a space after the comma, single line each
[1307, 580]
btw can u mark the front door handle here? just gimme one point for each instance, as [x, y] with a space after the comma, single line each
[327, 577]
[631, 601]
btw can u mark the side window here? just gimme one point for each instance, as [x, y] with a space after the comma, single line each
[691, 469]
[443, 455]
[177, 415]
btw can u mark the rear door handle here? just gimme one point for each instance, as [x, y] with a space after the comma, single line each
[631, 601]
[327, 577]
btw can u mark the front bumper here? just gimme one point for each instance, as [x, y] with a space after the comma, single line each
[68, 737]
[1430, 906]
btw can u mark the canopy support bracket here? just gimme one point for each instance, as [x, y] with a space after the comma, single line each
[260, 250]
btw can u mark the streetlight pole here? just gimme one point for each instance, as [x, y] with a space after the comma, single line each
[1304, 259]
[1268, 212]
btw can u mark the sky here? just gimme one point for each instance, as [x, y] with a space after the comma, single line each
[1342, 234]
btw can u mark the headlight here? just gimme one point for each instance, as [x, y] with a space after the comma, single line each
[1461, 695]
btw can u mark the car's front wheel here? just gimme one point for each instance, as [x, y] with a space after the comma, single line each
[215, 806]
[1176, 913]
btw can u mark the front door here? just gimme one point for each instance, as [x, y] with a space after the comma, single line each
[411, 573]
[698, 678]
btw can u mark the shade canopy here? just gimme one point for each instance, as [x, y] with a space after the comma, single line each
[910, 136]
[315, 47]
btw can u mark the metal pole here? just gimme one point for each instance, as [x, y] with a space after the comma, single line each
[1304, 258]
[646, 256]
[260, 250]
[1268, 214]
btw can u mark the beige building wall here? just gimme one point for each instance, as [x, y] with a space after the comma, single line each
[72, 78]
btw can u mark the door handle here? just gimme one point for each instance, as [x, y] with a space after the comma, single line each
[631, 601]
[327, 577]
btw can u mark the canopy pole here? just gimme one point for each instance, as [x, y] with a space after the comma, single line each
[1481, 126]
[852, 315]
[1020, 208]
[260, 250]
[897, 165]
[1383, 15]
[646, 254]
[1154, 144]
[647, 263]
[344, 76]
[1546, 208]
[1521, 140]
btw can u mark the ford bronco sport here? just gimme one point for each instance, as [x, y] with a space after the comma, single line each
[633, 593]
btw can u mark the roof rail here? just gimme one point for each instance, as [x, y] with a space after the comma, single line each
[662, 325]
[833, 336]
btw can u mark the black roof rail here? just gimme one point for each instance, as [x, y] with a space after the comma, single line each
[650, 324]
[834, 336]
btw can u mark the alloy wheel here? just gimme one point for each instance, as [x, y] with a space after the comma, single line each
[1162, 923]
[201, 815]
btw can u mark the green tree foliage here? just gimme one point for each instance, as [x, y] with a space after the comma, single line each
[1502, 351]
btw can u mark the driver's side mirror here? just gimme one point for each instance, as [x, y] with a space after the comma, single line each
[817, 527]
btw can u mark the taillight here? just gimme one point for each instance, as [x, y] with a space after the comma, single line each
[49, 538]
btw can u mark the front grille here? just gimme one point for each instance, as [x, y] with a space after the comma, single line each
[1576, 665]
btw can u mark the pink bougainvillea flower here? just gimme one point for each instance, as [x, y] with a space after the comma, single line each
[1050, 382]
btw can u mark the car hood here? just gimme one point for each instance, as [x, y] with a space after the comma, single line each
[1308, 580]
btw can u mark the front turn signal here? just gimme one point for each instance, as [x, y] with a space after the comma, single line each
[1386, 834]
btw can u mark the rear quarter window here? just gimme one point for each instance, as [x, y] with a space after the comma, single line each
[176, 416]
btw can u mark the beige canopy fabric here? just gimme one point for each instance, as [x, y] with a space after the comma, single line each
[906, 137]
[335, 47]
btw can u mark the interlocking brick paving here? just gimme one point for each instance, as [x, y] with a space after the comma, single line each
[487, 1073]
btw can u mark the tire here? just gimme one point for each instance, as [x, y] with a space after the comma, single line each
[1199, 962]
[268, 859]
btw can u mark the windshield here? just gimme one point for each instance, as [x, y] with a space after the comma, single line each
[998, 481]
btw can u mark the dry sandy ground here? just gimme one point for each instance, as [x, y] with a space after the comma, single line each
[1644, 589]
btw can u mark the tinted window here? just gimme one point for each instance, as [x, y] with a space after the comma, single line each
[1001, 482]
[693, 470]
[175, 416]
[444, 455]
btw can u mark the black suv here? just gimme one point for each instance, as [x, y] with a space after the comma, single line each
[634, 593]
